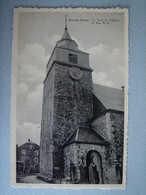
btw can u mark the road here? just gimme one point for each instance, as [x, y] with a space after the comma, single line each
[30, 179]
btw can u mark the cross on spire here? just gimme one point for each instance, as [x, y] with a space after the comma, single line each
[66, 22]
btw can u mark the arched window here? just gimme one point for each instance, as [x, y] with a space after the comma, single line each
[36, 159]
[73, 58]
[36, 152]
[24, 151]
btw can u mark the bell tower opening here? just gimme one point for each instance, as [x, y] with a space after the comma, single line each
[73, 58]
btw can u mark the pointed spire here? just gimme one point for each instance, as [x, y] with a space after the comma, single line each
[66, 40]
[66, 34]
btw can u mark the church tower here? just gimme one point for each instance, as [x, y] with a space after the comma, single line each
[67, 103]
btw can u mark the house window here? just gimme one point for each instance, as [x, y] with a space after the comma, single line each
[30, 147]
[36, 159]
[22, 158]
[36, 152]
[73, 58]
[24, 151]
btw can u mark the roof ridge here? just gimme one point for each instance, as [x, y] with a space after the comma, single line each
[107, 86]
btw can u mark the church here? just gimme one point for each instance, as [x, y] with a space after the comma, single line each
[82, 125]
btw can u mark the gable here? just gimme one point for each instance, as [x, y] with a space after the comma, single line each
[86, 135]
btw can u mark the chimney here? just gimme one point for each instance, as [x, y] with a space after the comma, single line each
[123, 87]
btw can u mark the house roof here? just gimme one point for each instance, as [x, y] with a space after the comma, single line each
[86, 135]
[29, 142]
[111, 98]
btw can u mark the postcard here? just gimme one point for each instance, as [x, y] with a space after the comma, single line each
[69, 98]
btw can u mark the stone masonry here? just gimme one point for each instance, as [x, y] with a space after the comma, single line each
[72, 108]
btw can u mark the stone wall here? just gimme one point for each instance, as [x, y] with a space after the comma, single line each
[76, 151]
[117, 129]
[46, 144]
[70, 156]
[73, 153]
[111, 126]
[73, 107]
[67, 104]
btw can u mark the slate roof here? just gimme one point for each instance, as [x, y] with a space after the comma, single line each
[66, 35]
[86, 135]
[67, 42]
[28, 143]
[111, 98]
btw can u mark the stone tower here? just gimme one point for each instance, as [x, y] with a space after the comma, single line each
[67, 103]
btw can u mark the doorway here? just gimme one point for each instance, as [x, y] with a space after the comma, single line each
[94, 167]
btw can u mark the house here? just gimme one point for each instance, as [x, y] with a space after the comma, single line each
[27, 158]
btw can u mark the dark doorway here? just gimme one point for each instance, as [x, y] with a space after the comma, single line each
[94, 167]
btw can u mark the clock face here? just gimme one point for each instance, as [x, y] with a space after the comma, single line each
[75, 73]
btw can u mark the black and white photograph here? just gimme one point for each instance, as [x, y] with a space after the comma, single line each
[69, 100]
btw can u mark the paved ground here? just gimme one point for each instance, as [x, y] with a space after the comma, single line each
[29, 179]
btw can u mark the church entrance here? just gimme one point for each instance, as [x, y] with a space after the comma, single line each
[94, 167]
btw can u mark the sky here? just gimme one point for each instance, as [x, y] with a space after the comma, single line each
[99, 34]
